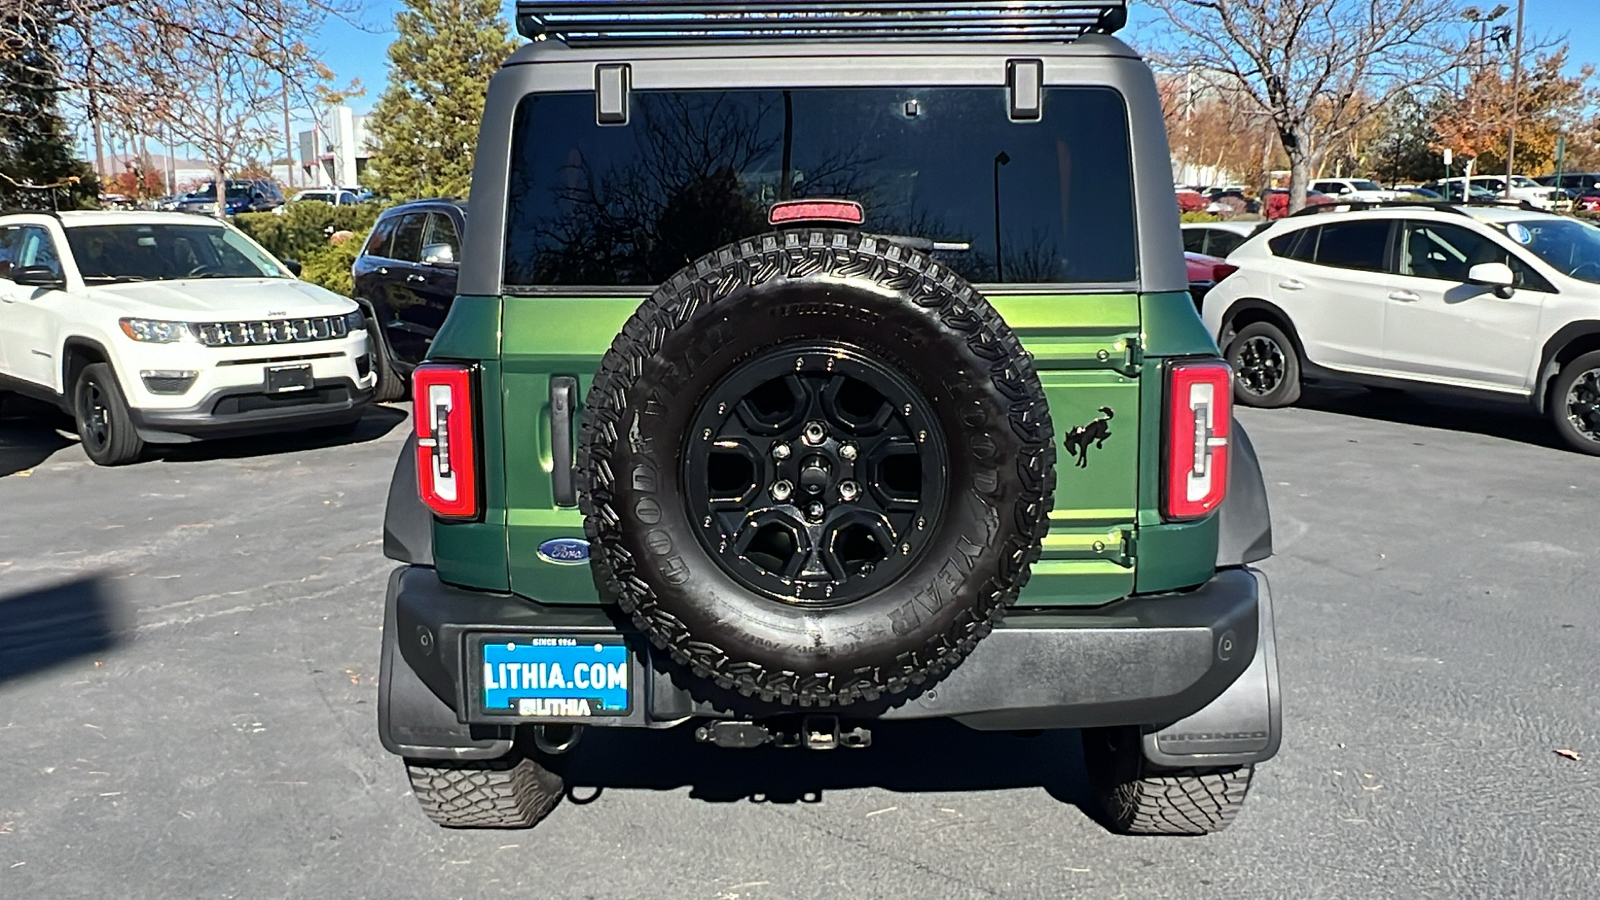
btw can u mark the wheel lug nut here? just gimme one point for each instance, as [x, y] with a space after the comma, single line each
[848, 451]
[781, 490]
[849, 490]
[814, 510]
[815, 433]
[780, 451]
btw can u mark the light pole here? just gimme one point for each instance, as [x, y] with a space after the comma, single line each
[1482, 19]
[1516, 82]
[1000, 159]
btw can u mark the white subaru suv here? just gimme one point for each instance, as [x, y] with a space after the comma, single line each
[169, 328]
[1497, 301]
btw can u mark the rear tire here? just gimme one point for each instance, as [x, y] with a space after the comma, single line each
[515, 792]
[1135, 797]
[1574, 403]
[1266, 368]
[390, 387]
[103, 421]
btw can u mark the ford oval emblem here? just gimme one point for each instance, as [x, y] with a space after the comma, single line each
[565, 551]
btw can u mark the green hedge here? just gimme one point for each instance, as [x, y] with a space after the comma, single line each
[303, 233]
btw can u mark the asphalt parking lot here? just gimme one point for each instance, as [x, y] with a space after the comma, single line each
[189, 651]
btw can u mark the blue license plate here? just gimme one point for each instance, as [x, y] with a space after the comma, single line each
[557, 675]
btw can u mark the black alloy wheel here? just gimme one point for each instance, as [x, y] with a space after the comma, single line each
[1266, 369]
[1575, 403]
[96, 417]
[813, 472]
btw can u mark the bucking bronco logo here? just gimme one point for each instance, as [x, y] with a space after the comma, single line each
[1080, 438]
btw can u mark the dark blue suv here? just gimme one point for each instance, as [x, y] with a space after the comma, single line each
[405, 279]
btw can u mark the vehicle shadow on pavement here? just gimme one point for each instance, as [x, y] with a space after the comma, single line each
[377, 421]
[50, 626]
[29, 434]
[1511, 420]
[907, 757]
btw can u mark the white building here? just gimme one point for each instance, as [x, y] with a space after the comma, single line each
[335, 151]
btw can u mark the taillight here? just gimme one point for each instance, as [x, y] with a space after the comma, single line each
[447, 453]
[1221, 271]
[1199, 418]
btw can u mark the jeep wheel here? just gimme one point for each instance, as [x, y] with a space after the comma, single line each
[817, 468]
[104, 424]
[1266, 369]
[504, 793]
[1575, 403]
[1135, 797]
[391, 385]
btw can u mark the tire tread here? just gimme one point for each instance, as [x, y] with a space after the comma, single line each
[494, 794]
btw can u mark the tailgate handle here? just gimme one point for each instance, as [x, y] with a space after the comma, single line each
[563, 397]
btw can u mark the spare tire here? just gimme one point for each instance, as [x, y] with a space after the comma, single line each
[816, 468]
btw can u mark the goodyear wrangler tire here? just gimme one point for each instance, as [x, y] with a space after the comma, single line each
[885, 539]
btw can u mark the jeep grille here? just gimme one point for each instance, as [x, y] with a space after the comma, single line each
[274, 331]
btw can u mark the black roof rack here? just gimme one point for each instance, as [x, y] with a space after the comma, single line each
[664, 21]
[1435, 205]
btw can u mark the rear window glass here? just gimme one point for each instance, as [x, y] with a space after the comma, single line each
[693, 170]
[1295, 245]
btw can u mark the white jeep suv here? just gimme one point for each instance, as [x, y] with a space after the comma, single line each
[1493, 300]
[167, 327]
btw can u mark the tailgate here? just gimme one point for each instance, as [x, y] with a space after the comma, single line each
[1086, 367]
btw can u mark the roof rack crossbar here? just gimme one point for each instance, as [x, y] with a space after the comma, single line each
[1449, 206]
[647, 21]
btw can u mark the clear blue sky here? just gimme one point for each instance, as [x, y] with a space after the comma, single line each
[362, 53]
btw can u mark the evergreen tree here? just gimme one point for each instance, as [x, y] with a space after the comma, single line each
[34, 146]
[1409, 150]
[426, 123]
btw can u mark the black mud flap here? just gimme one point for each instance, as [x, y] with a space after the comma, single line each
[412, 720]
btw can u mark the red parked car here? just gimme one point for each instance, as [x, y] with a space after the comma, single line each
[1278, 201]
[1588, 200]
[1204, 272]
[1191, 200]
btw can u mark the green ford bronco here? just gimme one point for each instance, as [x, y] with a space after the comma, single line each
[815, 366]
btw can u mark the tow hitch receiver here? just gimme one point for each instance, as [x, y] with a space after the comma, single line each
[813, 733]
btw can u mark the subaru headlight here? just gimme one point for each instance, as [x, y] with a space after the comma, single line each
[154, 331]
[354, 321]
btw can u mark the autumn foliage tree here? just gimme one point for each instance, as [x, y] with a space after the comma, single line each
[1317, 69]
[1550, 103]
[209, 72]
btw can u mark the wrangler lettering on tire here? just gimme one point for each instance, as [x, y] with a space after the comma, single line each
[816, 467]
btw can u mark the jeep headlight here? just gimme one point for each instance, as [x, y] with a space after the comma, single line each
[354, 321]
[154, 331]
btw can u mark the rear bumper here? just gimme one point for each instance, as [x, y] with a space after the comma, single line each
[1150, 661]
[234, 412]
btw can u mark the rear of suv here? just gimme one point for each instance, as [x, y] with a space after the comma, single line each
[405, 280]
[800, 386]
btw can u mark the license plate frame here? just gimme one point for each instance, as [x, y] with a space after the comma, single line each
[285, 379]
[562, 669]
